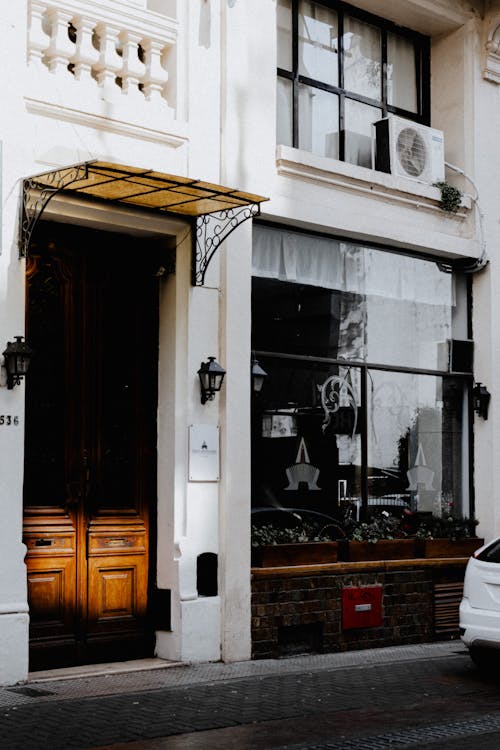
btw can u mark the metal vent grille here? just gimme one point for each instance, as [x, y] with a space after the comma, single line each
[447, 597]
[412, 152]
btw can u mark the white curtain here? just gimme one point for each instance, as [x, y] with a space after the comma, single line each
[348, 267]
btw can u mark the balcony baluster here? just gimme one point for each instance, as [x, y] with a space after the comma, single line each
[109, 64]
[156, 76]
[61, 49]
[132, 68]
[38, 37]
[86, 54]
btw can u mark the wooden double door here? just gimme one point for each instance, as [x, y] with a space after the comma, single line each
[90, 447]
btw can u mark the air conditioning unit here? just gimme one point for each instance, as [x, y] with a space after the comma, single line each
[408, 149]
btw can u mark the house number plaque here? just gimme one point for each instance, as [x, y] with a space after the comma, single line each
[8, 420]
[203, 453]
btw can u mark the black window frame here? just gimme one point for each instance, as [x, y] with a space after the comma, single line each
[422, 67]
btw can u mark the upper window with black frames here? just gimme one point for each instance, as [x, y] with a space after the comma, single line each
[340, 70]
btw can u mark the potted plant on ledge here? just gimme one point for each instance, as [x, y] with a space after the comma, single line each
[446, 536]
[295, 542]
[383, 537]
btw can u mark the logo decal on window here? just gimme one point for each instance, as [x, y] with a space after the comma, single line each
[335, 392]
[302, 471]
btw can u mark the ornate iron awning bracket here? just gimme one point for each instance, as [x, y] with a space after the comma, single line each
[36, 196]
[211, 231]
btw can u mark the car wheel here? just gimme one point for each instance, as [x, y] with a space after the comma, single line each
[486, 659]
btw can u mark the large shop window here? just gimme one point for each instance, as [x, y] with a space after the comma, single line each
[361, 407]
[339, 71]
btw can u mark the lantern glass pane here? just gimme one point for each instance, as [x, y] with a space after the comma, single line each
[258, 382]
[22, 365]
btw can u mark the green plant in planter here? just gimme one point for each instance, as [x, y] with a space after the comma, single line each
[306, 532]
[451, 197]
[446, 527]
[380, 526]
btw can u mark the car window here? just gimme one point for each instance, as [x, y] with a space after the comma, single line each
[491, 553]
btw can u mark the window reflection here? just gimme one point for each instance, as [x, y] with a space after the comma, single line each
[318, 43]
[401, 73]
[318, 114]
[415, 442]
[359, 119]
[284, 33]
[284, 111]
[362, 58]
[306, 448]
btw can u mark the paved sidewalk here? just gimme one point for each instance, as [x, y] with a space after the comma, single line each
[99, 710]
[97, 681]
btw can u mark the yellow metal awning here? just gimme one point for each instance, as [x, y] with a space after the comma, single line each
[145, 189]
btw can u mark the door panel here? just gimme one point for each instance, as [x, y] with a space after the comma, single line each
[90, 446]
[47, 586]
[116, 592]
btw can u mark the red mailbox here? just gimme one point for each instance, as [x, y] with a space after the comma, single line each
[361, 607]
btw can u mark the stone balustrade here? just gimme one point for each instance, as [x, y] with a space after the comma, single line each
[124, 51]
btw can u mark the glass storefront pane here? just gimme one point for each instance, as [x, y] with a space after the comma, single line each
[325, 297]
[401, 73]
[318, 43]
[319, 122]
[359, 119]
[284, 28]
[362, 58]
[284, 112]
[306, 446]
[306, 320]
[417, 443]
[409, 309]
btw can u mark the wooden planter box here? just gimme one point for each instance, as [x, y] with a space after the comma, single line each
[448, 547]
[314, 553]
[384, 549]
[302, 553]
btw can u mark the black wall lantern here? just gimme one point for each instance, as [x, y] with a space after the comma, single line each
[211, 377]
[17, 358]
[481, 400]
[258, 376]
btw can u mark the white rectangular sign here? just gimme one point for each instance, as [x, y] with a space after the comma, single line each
[203, 453]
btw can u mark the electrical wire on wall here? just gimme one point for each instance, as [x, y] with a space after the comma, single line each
[476, 264]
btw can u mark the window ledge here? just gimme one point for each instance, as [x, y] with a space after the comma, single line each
[294, 163]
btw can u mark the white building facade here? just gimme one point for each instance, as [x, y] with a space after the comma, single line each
[117, 539]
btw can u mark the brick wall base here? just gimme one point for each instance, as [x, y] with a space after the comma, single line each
[299, 610]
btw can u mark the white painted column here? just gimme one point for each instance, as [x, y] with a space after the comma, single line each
[234, 558]
[188, 511]
[14, 618]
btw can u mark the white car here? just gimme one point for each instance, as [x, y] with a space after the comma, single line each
[480, 606]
